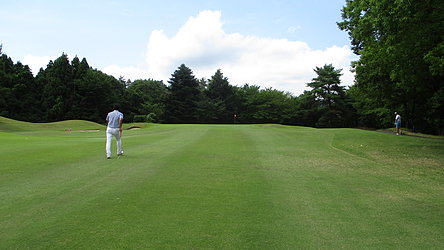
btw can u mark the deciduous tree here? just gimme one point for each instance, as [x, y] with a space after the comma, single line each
[400, 43]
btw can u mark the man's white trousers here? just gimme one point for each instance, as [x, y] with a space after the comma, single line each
[110, 132]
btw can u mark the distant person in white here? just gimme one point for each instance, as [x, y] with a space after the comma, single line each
[114, 120]
[398, 123]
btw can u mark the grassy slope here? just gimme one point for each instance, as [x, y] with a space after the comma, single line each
[9, 125]
[203, 186]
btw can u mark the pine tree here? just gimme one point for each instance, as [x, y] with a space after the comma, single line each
[182, 101]
[220, 95]
[330, 96]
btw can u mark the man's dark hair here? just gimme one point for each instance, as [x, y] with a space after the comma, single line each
[116, 106]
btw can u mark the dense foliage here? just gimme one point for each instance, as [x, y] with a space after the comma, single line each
[401, 65]
[74, 90]
[64, 90]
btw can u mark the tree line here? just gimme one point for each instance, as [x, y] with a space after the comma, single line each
[67, 90]
[400, 68]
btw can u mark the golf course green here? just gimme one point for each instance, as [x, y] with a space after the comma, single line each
[218, 187]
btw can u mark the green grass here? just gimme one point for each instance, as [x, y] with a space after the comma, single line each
[409, 132]
[219, 187]
[9, 125]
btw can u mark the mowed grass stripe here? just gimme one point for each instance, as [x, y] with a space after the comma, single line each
[329, 198]
[222, 186]
[203, 195]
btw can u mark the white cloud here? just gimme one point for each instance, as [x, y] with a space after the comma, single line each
[37, 62]
[202, 45]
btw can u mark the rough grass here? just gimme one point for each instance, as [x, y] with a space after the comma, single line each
[409, 132]
[220, 186]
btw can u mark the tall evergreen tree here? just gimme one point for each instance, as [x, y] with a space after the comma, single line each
[57, 86]
[220, 95]
[183, 98]
[78, 107]
[330, 96]
[19, 95]
[6, 85]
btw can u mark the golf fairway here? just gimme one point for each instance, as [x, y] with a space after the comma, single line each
[219, 187]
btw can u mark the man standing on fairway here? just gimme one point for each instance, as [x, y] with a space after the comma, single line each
[398, 123]
[114, 120]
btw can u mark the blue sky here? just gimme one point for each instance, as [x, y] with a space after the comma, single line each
[269, 43]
